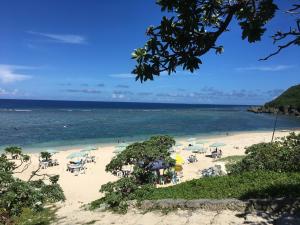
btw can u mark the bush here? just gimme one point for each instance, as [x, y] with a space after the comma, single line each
[280, 156]
[139, 156]
[20, 198]
[30, 217]
[258, 184]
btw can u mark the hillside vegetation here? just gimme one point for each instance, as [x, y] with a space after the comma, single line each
[291, 97]
[287, 103]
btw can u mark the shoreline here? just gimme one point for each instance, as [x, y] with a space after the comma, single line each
[178, 138]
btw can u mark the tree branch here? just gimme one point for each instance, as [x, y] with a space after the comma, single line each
[280, 47]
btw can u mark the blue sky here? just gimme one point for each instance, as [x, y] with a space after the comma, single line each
[80, 50]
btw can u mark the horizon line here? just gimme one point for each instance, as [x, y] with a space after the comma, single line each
[133, 102]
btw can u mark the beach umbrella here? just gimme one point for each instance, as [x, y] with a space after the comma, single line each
[178, 168]
[179, 160]
[217, 145]
[195, 148]
[89, 149]
[119, 149]
[76, 155]
[158, 164]
[51, 151]
[191, 139]
[201, 142]
[122, 145]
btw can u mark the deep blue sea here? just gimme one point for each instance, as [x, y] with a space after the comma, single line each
[36, 125]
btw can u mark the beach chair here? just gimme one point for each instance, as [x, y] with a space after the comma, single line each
[44, 164]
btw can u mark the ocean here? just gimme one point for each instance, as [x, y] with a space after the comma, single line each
[39, 124]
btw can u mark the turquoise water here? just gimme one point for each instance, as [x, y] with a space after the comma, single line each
[51, 124]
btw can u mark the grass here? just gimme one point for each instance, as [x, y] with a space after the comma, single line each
[231, 159]
[28, 217]
[243, 186]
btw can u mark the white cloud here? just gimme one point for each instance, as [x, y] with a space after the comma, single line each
[265, 68]
[117, 96]
[9, 74]
[7, 92]
[62, 38]
[122, 75]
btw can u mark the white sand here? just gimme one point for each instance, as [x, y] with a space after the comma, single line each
[84, 188]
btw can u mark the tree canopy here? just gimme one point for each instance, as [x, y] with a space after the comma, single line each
[140, 155]
[280, 156]
[21, 198]
[194, 27]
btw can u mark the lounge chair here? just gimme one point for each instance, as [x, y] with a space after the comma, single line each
[44, 164]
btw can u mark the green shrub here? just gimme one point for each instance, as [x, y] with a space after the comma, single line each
[138, 156]
[258, 184]
[53, 193]
[30, 217]
[280, 156]
[21, 198]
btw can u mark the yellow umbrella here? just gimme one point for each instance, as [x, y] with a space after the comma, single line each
[179, 160]
[178, 168]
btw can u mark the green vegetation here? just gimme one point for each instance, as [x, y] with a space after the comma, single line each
[268, 170]
[22, 202]
[279, 156]
[30, 217]
[193, 28]
[231, 159]
[290, 98]
[137, 156]
[259, 184]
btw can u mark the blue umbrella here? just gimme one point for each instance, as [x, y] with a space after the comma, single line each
[158, 164]
[191, 139]
[178, 145]
[194, 148]
[201, 142]
[122, 145]
[76, 155]
[51, 151]
[119, 149]
[89, 149]
[217, 144]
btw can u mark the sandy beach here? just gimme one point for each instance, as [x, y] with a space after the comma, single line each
[83, 188]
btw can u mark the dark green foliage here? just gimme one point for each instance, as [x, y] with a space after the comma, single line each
[52, 193]
[291, 97]
[192, 30]
[259, 184]
[20, 195]
[13, 150]
[54, 179]
[280, 156]
[23, 198]
[118, 193]
[30, 217]
[231, 159]
[45, 155]
[138, 156]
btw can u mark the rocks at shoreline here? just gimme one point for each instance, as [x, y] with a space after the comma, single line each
[283, 110]
[288, 103]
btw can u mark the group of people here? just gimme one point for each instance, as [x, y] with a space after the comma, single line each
[217, 153]
[79, 166]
